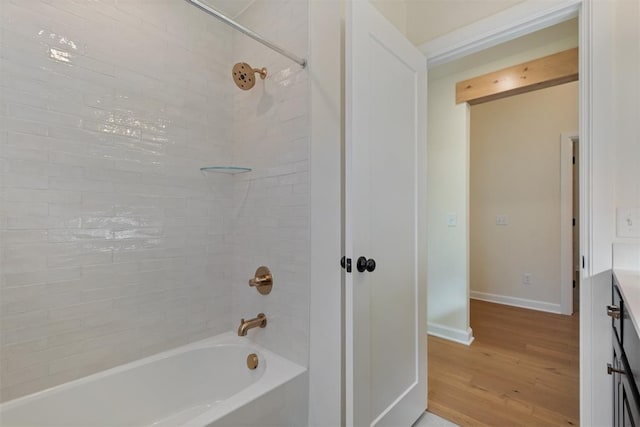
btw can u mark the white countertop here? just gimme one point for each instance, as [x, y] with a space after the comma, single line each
[629, 284]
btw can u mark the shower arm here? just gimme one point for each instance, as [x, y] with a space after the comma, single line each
[257, 37]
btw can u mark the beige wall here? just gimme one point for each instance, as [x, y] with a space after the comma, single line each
[515, 171]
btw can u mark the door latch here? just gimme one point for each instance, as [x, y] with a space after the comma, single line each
[346, 264]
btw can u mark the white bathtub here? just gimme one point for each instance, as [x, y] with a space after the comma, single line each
[206, 383]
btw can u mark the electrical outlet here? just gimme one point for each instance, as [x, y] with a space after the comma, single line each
[526, 279]
[501, 220]
[628, 222]
[452, 219]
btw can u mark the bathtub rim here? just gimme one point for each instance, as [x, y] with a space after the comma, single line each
[278, 371]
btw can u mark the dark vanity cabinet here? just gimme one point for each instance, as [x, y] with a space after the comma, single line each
[625, 364]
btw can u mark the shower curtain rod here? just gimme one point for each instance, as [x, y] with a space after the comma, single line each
[257, 37]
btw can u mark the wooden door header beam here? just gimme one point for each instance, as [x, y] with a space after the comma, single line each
[540, 73]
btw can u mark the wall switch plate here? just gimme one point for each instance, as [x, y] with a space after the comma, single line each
[628, 222]
[452, 219]
[526, 279]
[501, 220]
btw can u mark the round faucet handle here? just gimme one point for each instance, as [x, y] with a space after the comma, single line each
[262, 280]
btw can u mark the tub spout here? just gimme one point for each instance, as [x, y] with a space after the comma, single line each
[245, 325]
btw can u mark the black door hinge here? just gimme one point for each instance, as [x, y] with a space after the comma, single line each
[574, 222]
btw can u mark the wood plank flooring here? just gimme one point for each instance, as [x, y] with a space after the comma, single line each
[521, 370]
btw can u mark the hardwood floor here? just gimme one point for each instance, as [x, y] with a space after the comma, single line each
[521, 370]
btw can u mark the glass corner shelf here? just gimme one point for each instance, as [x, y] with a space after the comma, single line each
[231, 170]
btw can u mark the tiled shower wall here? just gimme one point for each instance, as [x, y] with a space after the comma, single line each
[113, 244]
[271, 135]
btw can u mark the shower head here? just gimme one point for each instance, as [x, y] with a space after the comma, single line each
[243, 75]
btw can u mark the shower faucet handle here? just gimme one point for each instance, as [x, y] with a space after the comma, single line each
[262, 280]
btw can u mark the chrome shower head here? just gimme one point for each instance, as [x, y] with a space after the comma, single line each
[243, 75]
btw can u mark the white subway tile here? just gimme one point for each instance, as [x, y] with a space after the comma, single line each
[83, 210]
[84, 259]
[80, 359]
[35, 195]
[24, 208]
[73, 235]
[23, 236]
[131, 248]
[37, 222]
[42, 168]
[75, 185]
[38, 358]
[22, 320]
[36, 100]
[34, 277]
[41, 299]
[24, 181]
[26, 346]
[26, 112]
[19, 376]
[77, 311]
[23, 153]
[16, 265]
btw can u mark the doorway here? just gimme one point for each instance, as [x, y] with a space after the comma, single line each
[516, 163]
[520, 213]
[575, 231]
[571, 261]
[444, 313]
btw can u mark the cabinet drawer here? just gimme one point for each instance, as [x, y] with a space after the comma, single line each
[631, 347]
[625, 366]
[629, 400]
[616, 376]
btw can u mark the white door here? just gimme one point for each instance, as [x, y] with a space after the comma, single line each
[384, 221]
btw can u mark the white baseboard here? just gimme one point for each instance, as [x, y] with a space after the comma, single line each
[518, 302]
[458, 335]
